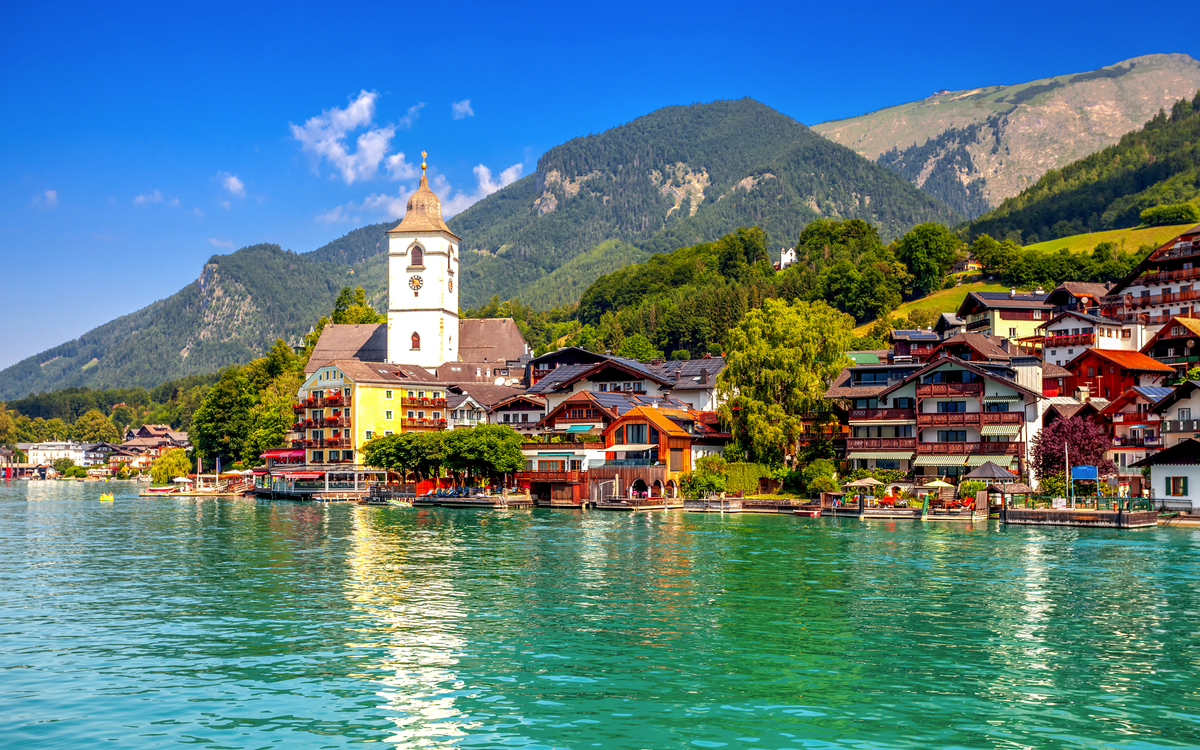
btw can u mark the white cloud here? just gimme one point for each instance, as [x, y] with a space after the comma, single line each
[224, 204]
[51, 197]
[339, 215]
[231, 183]
[228, 244]
[459, 110]
[324, 136]
[174, 202]
[155, 197]
[484, 187]
[197, 212]
[399, 169]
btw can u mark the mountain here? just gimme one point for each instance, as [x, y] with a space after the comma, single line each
[673, 178]
[973, 149]
[232, 313]
[1156, 165]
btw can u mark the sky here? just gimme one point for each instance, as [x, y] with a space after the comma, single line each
[138, 141]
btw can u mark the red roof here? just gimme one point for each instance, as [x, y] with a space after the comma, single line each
[1129, 360]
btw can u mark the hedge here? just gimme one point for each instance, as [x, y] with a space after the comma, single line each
[1179, 213]
[744, 477]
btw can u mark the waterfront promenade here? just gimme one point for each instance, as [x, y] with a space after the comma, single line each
[238, 623]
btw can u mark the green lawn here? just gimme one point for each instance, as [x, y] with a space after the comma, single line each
[947, 300]
[1132, 239]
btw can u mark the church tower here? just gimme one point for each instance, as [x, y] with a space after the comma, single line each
[422, 284]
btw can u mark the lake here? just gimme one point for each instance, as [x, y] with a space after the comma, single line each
[231, 623]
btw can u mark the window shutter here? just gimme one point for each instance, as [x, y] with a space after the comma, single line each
[1183, 489]
[1168, 485]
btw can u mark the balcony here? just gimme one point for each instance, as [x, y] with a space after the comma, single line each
[977, 324]
[949, 389]
[428, 402]
[323, 443]
[562, 477]
[1184, 425]
[427, 423]
[970, 419]
[966, 449]
[857, 415]
[877, 444]
[1166, 277]
[1079, 339]
[1137, 442]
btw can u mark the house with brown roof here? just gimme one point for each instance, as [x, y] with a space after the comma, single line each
[1108, 373]
[1176, 344]
[1165, 284]
[1069, 333]
[1012, 315]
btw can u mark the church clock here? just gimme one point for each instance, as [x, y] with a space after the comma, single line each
[415, 283]
[450, 285]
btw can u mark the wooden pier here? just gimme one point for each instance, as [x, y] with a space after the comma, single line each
[639, 503]
[1105, 519]
[714, 505]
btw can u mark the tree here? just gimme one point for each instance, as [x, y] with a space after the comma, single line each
[351, 307]
[223, 422]
[171, 464]
[392, 452]
[779, 362]
[94, 427]
[929, 251]
[818, 477]
[638, 347]
[484, 451]
[709, 476]
[8, 427]
[62, 464]
[1085, 440]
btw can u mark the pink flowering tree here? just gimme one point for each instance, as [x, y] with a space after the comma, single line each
[1085, 440]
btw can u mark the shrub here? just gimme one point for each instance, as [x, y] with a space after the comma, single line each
[1178, 213]
[708, 477]
[743, 477]
[968, 488]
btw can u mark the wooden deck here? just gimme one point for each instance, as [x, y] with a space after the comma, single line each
[714, 505]
[639, 503]
[1107, 519]
[852, 511]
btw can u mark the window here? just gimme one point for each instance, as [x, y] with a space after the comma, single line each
[318, 457]
[951, 407]
[387, 394]
[870, 378]
[437, 415]
[507, 417]
[1178, 331]
[1091, 372]
[388, 415]
[1185, 414]
[416, 341]
[676, 459]
[1170, 351]
[387, 432]
[1037, 315]
[411, 414]
[620, 435]
[952, 436]
[1177, 486]
[420, 415]
[369, 434]
[887, 463]
[524, 417]
[636, 433]
[653, 434]
[1012, 333]
[905, 402]
[1070, 351]
[418, 256]
[866, 403]
[998, 407]
[1126, 333]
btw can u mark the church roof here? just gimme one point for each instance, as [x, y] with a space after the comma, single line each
[424, 213]
[366, 342]
[492, 340]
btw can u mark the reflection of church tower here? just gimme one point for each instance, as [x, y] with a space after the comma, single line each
[422, 296]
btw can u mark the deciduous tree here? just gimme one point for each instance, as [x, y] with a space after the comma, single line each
[1085, 440]
[929, 251]
[779, 362]
[94, 427]
[171, 464]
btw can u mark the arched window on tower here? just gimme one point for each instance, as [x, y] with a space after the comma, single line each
[418, 257]
[416, 341]
[450, 259]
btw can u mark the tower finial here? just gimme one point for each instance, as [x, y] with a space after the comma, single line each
[423, 155]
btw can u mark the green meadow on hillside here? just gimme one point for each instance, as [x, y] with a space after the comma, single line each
[946, 300]
[1127, 239]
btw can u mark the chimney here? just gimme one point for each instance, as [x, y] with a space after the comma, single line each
[677, 370]
[1012, 292]
[1083, 394]
[704, 376]
[1004, 344]
[1039, 290]
[656, 361]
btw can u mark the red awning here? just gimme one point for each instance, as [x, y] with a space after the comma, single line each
[304, 475]
[283, 453]
[260, 470]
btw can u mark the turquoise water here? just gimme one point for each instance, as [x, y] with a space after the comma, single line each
[150, 623]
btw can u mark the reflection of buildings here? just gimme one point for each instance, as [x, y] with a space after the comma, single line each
[414, 624]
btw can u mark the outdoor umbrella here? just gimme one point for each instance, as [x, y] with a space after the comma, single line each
[181, 480]
[989, 470]
[938, 483]
[864, 482]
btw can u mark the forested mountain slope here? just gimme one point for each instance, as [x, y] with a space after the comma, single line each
[973, 149]
[1156, 165]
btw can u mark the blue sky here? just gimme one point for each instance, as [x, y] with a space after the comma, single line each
[139, 140]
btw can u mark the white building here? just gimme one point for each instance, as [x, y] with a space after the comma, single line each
[422, 327]
[48, 453]
[1174, 478]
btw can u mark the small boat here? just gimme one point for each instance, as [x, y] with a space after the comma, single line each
[808, 512]
[399, 502]
[107, 497]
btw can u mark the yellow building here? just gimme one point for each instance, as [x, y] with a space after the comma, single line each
[344, 403]
[1008, 315]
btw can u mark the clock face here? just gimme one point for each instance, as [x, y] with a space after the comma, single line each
[450, 284]
[415, 283]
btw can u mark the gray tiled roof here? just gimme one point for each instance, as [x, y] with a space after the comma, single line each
[367, 343]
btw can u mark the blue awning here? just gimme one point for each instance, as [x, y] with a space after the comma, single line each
[579, 428]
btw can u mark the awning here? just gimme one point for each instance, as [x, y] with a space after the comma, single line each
[260, 470]
[303, 475]
[631, 447]
[1005, 461]
[579, 428]
[283, 453]
[1000, 399]
[1000, 429]
[901, 455]
[940, 461]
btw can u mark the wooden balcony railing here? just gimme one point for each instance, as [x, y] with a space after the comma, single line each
[430, 402]
[970, 419]
[417, 422]
[875, 444]
[966, 449]
[877, 414]
[949, 389]
[567, 477]
[1078, 339]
